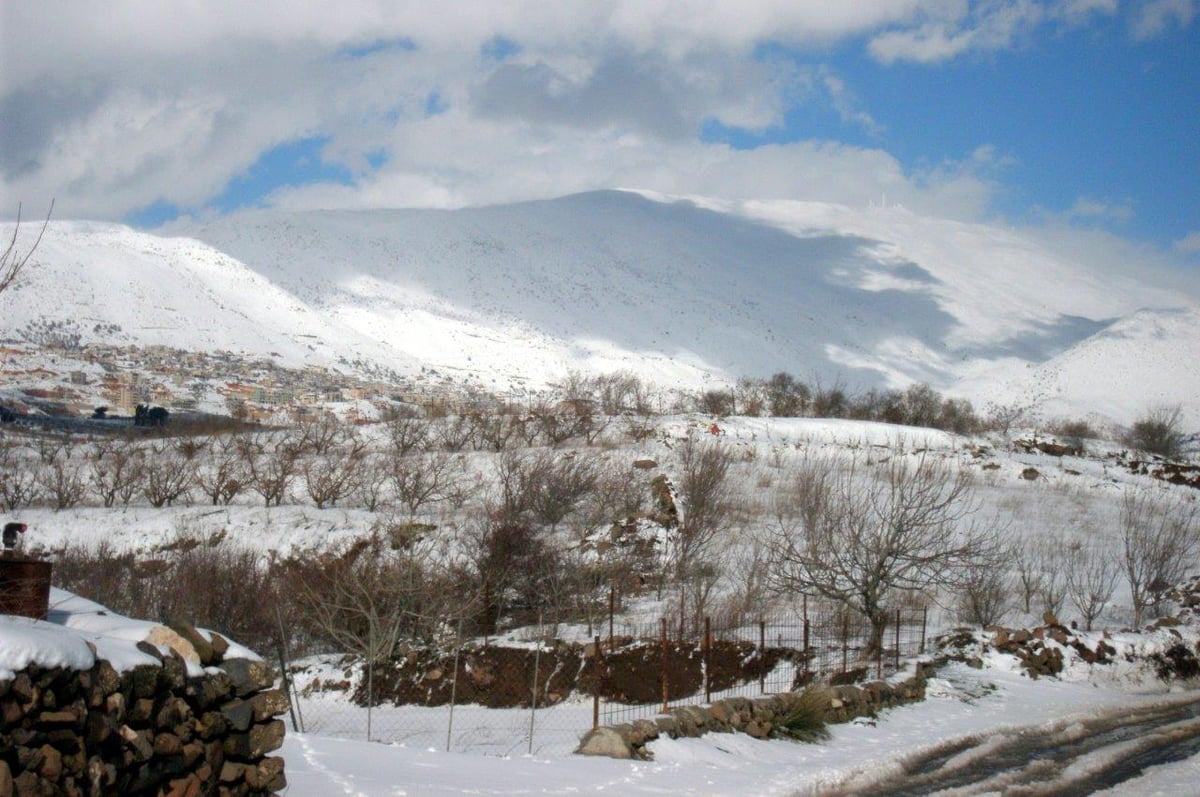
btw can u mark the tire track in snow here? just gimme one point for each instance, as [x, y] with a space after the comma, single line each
[1071, 758]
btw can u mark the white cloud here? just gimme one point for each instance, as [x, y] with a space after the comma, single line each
[1077, 12]
[1157, 16]
[111, 106]
[1086, 208]
[987, 27]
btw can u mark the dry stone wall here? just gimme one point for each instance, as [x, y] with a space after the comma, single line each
[760, 718]
[150, 730]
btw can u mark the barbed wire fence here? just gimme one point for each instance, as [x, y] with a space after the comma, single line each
[533, 692]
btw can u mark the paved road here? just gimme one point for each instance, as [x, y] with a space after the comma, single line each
[1078, 758]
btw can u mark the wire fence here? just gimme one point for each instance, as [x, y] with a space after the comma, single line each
[536, 692]
[780, 652]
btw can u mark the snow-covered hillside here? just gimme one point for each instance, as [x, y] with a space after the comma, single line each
[685, 292]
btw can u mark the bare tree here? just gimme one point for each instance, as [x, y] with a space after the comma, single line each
[1002, 417]
[368, 597]
[332, 475]
[372, 481]
[18, 479]
[1158, 544]
[1092, 575]
[167, 477]
[984, 597]
[1159, 431]
[870, 533]
[707, 498]
[1028, 572]
[427, 479]
[114, 469]
[516, 565]
[321, 435]
[12, 261]
[1052, 583]
[272, 465]
[557, 485]
[406, 431]
[62, 481]
[224, 475]
[454, 433]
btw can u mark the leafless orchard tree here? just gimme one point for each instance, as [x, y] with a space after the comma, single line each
[1092, 575]
[18, 481]
[1051, 553]
[1027, 571]
[985, 594]
[320, 435]
[1158, 545]
[453, 433]
[557, 485]
[418, 481]
[371, 485]
[224, 474]
[12, 260]
[115, 468]
[864, 534]
[168, 476]
[333, 475]
[272, 464]
[406, 431]
[62, 481]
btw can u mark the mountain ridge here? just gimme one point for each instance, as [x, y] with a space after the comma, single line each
[684, 291]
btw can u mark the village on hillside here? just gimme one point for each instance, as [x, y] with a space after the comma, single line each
[76, 381]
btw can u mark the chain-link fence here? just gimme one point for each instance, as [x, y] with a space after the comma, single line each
[540, 690]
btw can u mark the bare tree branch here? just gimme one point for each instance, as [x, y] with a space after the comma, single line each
[12, 262]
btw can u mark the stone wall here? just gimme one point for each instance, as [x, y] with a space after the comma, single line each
[759, 717]
[151, 730]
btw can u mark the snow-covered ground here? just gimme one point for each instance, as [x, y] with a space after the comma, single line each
[1072, 498]
[963, 702]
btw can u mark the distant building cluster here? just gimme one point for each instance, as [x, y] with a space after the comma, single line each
[248, 387]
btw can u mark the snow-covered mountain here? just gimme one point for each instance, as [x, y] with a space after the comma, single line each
[684, 291]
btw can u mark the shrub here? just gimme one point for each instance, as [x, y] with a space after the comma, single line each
[1158, 432]
[804, 718]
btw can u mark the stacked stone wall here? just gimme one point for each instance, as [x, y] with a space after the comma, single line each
[150, 730]
[760, 718]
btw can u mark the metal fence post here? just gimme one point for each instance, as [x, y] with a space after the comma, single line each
[682, 612]
[596, 684]
[897, 640]
[537, 656]
[762, 655]
[665, 683]
[924, 617]
[879, 653]
[707, 660]
[370, 676]
[612, 608]
[845, 640]
[284, 656]
[454, 683]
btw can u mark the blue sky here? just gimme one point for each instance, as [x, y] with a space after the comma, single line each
[1037, 113]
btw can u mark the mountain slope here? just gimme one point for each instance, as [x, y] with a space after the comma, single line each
[682, 291]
